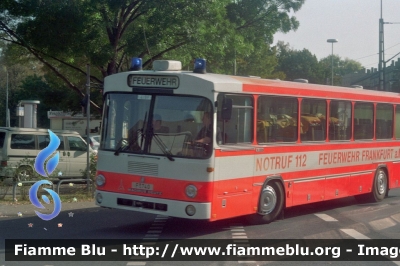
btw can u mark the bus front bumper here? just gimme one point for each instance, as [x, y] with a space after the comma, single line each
[174, 208]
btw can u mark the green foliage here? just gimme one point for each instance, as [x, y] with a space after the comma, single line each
[92, 170]
[92, 167]
[19, 172]
[29, 174]
[66, 35]
[340, 68]
[51, 95]
[303, 64]
[298, 64]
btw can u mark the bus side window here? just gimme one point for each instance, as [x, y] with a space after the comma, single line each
[384, 120]
[364, 113]
[313, 120]
[239, 128]
[340, 120]
[397, 122]
[276, 119]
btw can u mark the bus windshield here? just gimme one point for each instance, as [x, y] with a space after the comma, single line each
[169, 125]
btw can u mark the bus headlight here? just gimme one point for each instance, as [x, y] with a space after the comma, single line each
[191, 191]
[100, 180]
[190, 210]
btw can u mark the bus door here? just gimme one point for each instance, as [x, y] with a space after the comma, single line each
[234, 170]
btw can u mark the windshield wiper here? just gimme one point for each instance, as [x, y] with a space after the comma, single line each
[162, 146]
[124, 145]
[142, 135]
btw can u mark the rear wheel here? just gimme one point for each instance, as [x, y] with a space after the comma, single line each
[379, 189]
[24, 173]
[270, 204]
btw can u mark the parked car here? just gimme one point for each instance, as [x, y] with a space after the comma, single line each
[94, 141]
[19, 144]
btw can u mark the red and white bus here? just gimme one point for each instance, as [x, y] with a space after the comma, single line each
[264, 145]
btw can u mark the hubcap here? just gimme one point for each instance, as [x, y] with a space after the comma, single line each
[381, 183]
[24, 175]
[267, 200]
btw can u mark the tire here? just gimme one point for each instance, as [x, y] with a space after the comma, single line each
[270, 204]
[380, 186]
[379, 189]
[24, 173]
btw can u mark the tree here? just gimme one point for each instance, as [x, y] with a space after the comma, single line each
[261, 62]
[16, 73]
[340, 68]
[302, 64]
[50, 95]
[66, 35]
[297, 64]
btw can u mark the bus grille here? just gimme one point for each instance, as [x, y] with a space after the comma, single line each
[142, 204]
[143, 168]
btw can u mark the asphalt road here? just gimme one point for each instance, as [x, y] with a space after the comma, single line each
[340, 219]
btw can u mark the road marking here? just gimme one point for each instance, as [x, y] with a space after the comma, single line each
[354, 234]
[152, 234]
[382, 223]
[239, 235]
[326, 217]
[396, 217]
[237, 230]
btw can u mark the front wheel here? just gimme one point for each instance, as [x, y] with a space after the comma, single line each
[270, 204]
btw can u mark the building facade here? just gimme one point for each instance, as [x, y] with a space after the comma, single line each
[369, 78]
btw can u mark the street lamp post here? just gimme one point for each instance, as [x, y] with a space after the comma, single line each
[382, 62]
[332, 41]
[7, 111]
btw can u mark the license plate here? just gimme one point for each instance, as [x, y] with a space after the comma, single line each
[142, 185]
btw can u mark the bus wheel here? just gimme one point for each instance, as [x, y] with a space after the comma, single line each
[379, 189]
[270, 204]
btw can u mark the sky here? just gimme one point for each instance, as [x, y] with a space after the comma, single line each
[354, 23]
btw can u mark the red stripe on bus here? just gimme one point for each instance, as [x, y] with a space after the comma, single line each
[162, 187]
[307, 147]
[312, 90]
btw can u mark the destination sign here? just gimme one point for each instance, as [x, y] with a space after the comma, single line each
[150, 81]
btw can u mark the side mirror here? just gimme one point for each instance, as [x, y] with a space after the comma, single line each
[226, 111]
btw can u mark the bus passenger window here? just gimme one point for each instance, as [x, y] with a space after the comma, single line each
[238, 129]
[384, 121]
[397, 122]
[276, 119]
[340, 120]
[313, 120]
[363, 120]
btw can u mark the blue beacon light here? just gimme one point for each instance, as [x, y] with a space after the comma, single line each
[136, 64]
[199, 66]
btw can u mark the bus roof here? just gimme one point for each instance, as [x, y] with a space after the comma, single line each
[210, 82]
